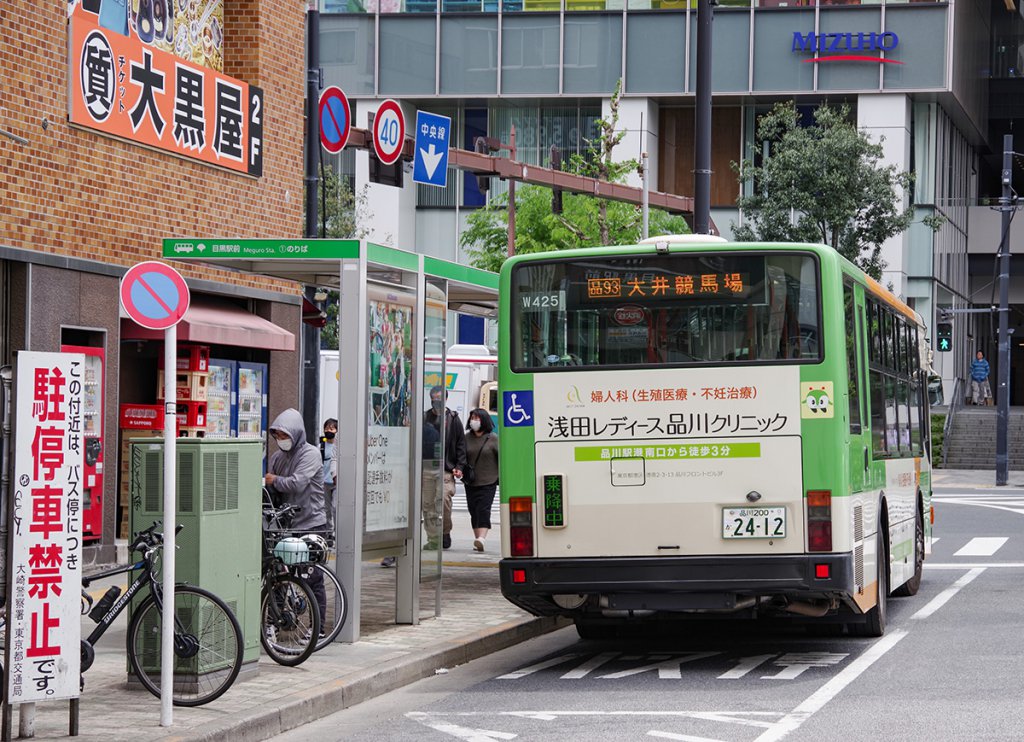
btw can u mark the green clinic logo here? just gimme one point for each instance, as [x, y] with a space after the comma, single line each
[817, 400]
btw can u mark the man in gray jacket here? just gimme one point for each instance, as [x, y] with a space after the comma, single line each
[295, 475]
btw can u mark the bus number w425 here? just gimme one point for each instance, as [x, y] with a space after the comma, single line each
[536, 301]
[754, 523]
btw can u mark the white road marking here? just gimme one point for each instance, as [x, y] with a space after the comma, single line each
[973, 565]
[942, 598]
[794, 663]
[817, 700]
[683, 737]
[590, 665]
[935, 540]
[667, 669]
[745, 665]
[524, 671]
[981, 547]
[466, 733]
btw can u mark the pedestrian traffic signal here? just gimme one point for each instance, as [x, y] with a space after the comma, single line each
[944, 336]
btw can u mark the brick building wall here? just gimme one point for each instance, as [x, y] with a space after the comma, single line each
[72, 191]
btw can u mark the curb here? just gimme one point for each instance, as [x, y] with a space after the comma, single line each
[344, 692]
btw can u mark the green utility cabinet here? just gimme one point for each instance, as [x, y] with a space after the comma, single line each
[219, 485]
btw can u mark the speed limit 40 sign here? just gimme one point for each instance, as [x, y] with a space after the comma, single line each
[389, 132]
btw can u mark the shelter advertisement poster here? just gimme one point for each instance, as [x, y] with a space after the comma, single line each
[128, 79]
[390, 400]
[45, 520]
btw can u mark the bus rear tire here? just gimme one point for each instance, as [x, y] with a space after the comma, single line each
[911, 586]
[873, 624]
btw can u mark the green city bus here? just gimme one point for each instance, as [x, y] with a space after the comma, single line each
[691, 427]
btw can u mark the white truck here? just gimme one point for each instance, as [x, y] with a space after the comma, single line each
[470, 372]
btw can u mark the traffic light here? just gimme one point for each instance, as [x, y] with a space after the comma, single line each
[944, 336]
[483, 182]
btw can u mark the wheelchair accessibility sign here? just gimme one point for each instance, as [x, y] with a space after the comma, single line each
[518, 409]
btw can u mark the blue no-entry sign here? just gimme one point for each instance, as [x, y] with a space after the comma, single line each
[430, 163]
[335, 119]
[154, 295]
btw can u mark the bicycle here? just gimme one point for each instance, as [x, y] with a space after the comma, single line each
[289, 612]
[207, 638]
[319, 544]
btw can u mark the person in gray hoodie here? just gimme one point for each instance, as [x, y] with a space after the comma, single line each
[295, 475]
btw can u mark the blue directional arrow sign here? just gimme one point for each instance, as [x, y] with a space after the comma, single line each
[430, 164]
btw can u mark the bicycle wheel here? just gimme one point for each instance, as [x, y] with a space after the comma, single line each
[337, 607]
[207, 646]
[289, 620]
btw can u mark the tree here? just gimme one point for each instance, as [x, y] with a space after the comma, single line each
[584, 221]
[342, 214]
[822, 182]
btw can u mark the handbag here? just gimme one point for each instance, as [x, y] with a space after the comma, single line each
[469, 471]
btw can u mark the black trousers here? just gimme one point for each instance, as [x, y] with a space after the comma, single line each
[480, 499]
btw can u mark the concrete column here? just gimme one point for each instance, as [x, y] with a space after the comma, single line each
[391, 211]
[638, 117]
[888, 116]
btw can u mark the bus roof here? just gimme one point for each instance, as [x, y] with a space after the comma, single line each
[703, 243]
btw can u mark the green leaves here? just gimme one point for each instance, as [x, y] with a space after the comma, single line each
[822, 182]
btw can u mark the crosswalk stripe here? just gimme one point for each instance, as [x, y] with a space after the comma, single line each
[981, 546]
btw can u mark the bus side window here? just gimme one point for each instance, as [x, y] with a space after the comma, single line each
[852, 357]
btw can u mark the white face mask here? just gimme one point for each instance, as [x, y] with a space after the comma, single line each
[285, 444]
[474, 425]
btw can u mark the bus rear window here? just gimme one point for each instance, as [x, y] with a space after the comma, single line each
[678, 309]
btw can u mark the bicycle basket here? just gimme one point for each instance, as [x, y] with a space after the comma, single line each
[292, 550]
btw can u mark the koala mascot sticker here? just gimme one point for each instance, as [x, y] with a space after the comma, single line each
[817, 400]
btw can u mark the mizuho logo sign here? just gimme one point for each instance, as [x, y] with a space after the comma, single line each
[846, 47]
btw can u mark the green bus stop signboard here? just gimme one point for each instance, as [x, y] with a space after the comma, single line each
[225, 249]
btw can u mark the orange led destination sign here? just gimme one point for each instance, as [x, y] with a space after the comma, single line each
[706, 285]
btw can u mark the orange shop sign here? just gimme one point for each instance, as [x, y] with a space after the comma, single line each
[127, 89]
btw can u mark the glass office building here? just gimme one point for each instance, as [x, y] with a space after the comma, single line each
[940, 81]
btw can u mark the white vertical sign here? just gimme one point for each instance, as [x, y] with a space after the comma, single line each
[45, 538]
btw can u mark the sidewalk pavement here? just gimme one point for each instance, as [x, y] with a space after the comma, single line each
[948, 480]
[476, 620]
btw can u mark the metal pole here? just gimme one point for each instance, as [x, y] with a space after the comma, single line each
[167, 558]
[312, 115]
[310, 386]
[702, 128]
[512, 197]
[1003, 386]
[645, 206]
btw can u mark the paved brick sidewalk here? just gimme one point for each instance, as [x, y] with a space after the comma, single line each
[476, 620]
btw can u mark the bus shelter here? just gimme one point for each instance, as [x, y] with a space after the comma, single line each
[392, 318]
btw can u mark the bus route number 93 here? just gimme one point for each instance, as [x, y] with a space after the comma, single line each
[754, 522]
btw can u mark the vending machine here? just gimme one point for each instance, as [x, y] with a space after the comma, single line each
[92, 439]
[252, 400]
[222, 401]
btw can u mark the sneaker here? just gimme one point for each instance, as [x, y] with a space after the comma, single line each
[387, 562]
[478, 544]
[446, 541]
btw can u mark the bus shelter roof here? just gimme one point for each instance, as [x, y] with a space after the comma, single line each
[314, 262]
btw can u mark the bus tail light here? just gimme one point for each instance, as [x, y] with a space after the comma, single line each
[819, 520]
[520, 524]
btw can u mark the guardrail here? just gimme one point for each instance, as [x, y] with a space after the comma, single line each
[954, 405]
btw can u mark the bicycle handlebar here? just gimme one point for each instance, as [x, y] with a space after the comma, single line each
[148, 538]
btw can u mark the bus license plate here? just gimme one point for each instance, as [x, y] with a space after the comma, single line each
[754, 523]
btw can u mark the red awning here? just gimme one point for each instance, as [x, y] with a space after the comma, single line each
[218, 323]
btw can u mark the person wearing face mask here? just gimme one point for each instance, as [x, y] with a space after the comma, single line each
[330, 469]
[480, 477]
[295, 475]
[454, 453]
